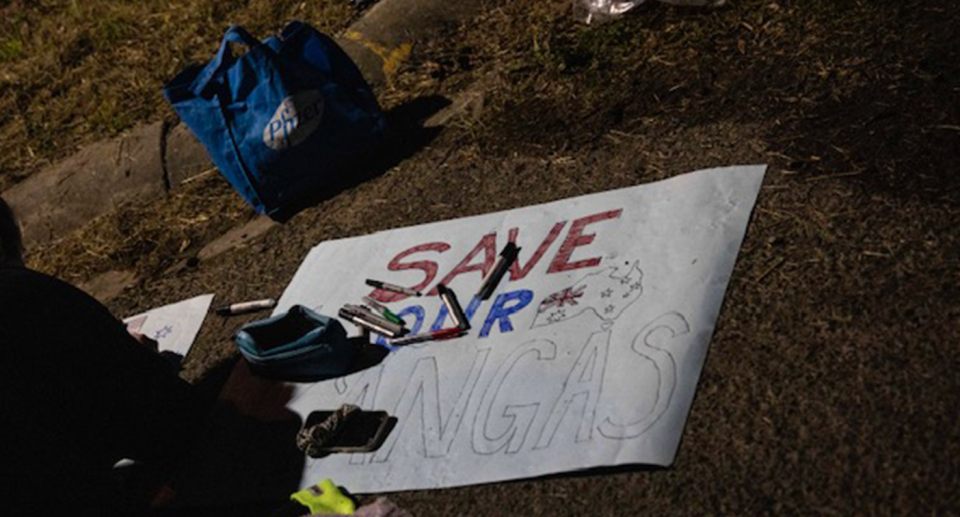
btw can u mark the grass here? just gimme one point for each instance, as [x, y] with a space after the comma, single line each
[839, 79]
[145, 239]
[73, 72]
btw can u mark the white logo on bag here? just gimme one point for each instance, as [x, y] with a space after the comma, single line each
[297, 117]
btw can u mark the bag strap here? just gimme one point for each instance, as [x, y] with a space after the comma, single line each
[224, 58]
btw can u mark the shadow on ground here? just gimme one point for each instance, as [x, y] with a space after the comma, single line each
[247, 450]
[405, 137]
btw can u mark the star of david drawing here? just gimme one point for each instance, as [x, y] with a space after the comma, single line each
[163, 332]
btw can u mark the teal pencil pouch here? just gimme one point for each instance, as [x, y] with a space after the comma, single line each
[299, 345]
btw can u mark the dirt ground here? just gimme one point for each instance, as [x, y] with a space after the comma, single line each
[831, 386]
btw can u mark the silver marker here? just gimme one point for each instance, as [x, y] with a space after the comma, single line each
[374, 304]
[365, 313]
[245, 307]
[453, 307]
[368, 325]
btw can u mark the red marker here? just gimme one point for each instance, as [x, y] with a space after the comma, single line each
[437, 335]
[440, 335]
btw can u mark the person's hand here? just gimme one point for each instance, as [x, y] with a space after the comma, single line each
[146, 341]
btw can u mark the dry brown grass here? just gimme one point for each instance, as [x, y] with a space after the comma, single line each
[146, 239]
[73, 72]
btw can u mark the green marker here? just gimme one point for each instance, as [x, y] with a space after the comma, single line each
[383, 310]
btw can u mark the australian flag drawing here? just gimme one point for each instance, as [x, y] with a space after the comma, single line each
[606, 293]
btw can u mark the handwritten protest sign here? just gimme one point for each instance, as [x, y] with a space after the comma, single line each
[587, 355]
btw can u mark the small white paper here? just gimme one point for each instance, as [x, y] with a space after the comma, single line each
[174, 327]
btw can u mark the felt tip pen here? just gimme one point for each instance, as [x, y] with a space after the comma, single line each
[383, 310]
[368, 325]
[437, 335]
[393, 288]
[364, 312]
[453, 307]
[507, 256]
[244, 307]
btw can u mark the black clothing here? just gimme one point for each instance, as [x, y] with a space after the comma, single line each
[78, 394]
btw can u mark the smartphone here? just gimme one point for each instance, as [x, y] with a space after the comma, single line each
[363, 432]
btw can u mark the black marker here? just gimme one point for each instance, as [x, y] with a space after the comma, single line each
[393, 288]
[507, 256]
[245, 307]
[453, 307]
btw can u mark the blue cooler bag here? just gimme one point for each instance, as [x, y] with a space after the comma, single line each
[299, 345]
[282, 120]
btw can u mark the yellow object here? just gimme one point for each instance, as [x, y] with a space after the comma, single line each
[392, 58]
[325, 497]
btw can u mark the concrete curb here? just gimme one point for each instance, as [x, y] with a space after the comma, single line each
[151, 160]
[383, 39]
[88, 184]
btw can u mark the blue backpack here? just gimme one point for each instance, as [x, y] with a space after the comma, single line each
[283, 119]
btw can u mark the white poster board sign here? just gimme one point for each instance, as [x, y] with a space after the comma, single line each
[587, 355]
[174, 327]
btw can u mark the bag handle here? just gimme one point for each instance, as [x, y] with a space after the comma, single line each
[224, 58]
